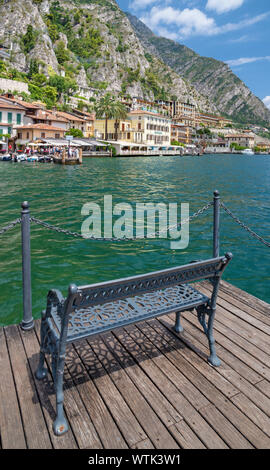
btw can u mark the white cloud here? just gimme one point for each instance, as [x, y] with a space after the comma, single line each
[266, 101]
[245, 60]
[192, 22]
[141, 4]
[189, 21]
[223, 6]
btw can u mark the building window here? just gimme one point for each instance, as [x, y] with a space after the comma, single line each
[0, 116]
[19, 119]
[27, 135]
[9, 130]
[43, 135]
[19, 135]
[57, 136]
[9, 118]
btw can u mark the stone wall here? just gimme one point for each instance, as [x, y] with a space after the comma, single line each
[13, 85]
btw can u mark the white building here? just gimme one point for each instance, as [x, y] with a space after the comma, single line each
[11, 114]
[150, 128]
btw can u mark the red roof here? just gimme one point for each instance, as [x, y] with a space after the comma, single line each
[45, 127]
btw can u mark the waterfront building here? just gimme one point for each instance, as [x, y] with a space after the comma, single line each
[89, 119]
[74, 121]
[116, 129]
[43, 116]
[31, 132]
[11, 114]
[211, 120]
[244, 140]
[150, 128]
[181, 133]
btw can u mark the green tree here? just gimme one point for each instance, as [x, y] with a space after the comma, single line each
[75, 132]
[63, 84]
[28, 40]
[62, 54]
[39, 79]
[110, 108]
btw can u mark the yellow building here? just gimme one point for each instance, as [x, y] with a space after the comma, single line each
[116, 129]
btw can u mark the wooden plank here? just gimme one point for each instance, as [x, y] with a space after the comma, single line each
[253, 412]
[101, 418]
[162, 337]
[207, 435]
[47, 400]
[192, 330]
[254, 357]
[178, 381]
[223, 426]
[241, 313]
[11, 428]
[76, 413]
[202, 383]
[246, 298]
[185, 436]
[144, 412]
[146, 444]
[242, 384]
[246, 427]
[233, 301]
[122, 414]
[264, 386]
[36, 432]
[162, 407]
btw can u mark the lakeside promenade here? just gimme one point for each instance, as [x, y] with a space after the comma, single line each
[143, 388]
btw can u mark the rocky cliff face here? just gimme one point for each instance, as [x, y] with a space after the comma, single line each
[93, 42]
[210, 77]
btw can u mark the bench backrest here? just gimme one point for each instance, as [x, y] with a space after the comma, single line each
[97, 294]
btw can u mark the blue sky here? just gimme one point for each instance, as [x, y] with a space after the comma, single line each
[235, 31]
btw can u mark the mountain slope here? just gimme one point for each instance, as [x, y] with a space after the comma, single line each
[210, 77]
[91, 42]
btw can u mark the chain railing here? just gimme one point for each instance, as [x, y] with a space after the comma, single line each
[124, 238]
[10, 226]
[244, 226]
[26, 220]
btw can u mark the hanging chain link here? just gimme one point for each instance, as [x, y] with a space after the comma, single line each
[244, 226]
[152, 235]
[10, 226]
[113, 239]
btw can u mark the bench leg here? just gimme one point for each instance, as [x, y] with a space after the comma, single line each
[212, 359]
[42, 372]
[60, 425]
[178, 327]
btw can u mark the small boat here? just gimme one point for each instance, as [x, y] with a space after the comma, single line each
[45, 159]
[247, 152]
[32, 158]
[6, 157]
[20, 158]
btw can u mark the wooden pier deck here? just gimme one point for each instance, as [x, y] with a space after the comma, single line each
[143, 388]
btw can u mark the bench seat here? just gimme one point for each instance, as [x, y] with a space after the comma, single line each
[97, 308]
[84, 322]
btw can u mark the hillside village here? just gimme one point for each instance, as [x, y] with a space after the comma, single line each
[164, 126]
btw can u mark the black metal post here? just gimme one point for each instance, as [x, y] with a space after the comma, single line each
[28, 321]
[216, 224]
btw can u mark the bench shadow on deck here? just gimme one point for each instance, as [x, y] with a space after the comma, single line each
[145, 387]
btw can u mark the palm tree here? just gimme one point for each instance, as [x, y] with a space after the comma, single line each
[110, 108]
[120, 112]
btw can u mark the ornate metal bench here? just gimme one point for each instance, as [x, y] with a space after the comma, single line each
[97, 308]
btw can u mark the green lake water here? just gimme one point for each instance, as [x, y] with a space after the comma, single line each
[57, 193]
